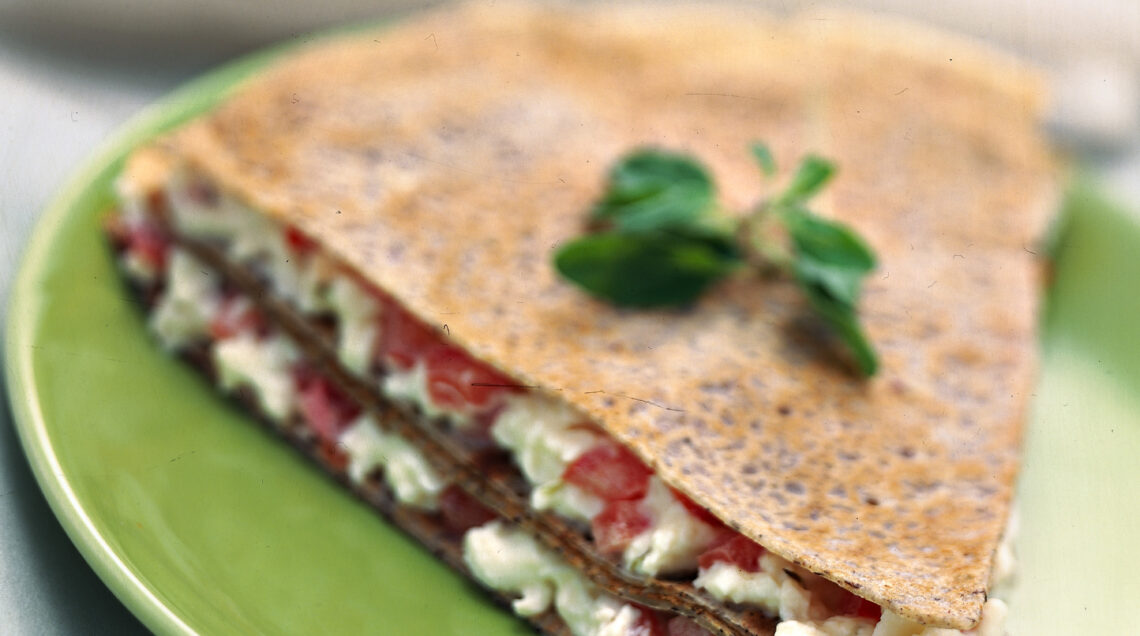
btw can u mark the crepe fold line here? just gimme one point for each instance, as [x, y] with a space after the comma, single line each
[444, 158]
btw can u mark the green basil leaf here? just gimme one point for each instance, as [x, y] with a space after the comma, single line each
[840, 316]
[813, 173]
[652, 190]
[842, 283]
[827, 241]
[830, 263]
[644, 270]
[764, 157]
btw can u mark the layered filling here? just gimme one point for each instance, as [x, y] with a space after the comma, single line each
[572, 469]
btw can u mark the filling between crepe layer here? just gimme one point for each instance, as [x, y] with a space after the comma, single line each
[573, 469]
[246, 353]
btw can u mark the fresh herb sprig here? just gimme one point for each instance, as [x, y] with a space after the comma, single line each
[657, 238]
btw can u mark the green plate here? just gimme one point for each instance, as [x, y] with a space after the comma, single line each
[201, 522]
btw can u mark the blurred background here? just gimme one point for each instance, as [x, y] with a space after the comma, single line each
[72, 71]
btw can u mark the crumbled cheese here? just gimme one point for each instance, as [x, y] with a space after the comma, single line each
[834, 626]
[406, 470]
[188, 304]
[777, 592]
[248, 233]
[358, 315]
[620, 625]
[795, 601]
[133, 216]
[1005, 560]
[994, 614]
[543, 434]
[410, 387]
[727, 582]
[567, 500]
[796, 628]
[263, 365]
[675, 537]
[255, 240]
[511, 561]
[545, 437]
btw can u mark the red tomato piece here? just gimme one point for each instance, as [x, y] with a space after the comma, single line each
[617, 524]
[649, 623]
[461, 511]
[733, 548]
[685, 626]
[458, 382]
[149, 245]
[696, 510]
[609, 471]
[298, 241]
[333, 455]
[324, 406]
[403, 339]
[236, 315]
[843, 602]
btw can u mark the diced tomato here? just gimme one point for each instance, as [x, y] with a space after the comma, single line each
[617, 524]
[298, 241]
[458, 382]
[609, 471]
[461, 511]
[403, 339]
[685, 626]
[649, 623]
[149, 245]
[696, 510]
[324, 406]
[236, 315]
[333, 455]
[843, 602]
[733, 548]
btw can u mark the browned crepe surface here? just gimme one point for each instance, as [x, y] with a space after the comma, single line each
[447, 157]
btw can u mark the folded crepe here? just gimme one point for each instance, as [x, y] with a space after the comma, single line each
[359, 241]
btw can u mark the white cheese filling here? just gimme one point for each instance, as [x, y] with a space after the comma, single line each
[511, 561]
[674, 539]
[410, 387]
[314, 285]
[264, 365]
[545, 436]
[187, 305]
[358, 317]
[311, 282]
[406, 470]
[803, 615]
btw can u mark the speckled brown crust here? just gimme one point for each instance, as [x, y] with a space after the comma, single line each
[446, 158]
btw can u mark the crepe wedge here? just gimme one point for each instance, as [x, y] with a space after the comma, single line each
[358, 244]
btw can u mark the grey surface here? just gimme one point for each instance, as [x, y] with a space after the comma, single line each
[63, 90]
